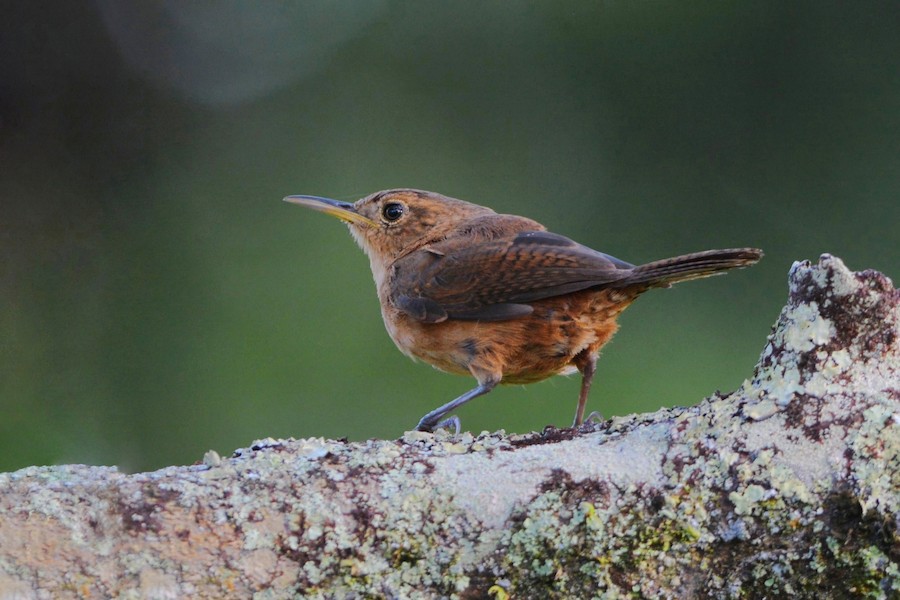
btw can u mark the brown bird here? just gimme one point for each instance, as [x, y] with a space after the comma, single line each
[498, 297]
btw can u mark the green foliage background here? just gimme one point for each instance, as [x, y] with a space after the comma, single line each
[158, 298]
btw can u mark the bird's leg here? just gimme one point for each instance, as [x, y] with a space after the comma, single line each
[434, 419]
[587, 364]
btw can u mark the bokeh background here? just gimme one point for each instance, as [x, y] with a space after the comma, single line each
[159, 300]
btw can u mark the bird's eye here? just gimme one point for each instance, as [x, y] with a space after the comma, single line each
[392, 211]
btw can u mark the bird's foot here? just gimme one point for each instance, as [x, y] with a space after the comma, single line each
[450, 422]
[594, 418]
[447, 423]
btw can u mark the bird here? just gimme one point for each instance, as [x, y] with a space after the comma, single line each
[497, 296]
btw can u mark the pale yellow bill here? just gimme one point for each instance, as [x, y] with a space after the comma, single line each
[342, 210]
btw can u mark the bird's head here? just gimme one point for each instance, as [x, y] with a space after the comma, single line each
[392, 223]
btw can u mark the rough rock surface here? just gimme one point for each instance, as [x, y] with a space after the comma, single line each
[789, 486]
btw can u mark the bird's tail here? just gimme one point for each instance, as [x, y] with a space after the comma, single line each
[663, 273]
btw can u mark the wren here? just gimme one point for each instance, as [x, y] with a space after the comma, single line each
[496, 296]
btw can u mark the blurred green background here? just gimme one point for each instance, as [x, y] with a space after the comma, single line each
[158, 298]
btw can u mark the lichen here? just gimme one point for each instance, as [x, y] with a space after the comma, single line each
[876, 464]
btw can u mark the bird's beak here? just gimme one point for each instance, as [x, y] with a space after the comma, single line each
[342, 210]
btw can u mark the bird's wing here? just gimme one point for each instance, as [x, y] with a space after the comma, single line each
[496, 279]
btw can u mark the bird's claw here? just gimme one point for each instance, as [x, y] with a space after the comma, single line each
[445, 424]
[594, 417]
[450, 421]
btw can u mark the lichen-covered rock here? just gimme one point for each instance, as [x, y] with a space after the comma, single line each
[788, 487]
